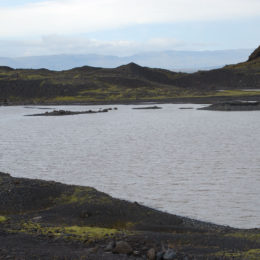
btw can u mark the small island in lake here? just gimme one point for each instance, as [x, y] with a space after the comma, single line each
[234, 106]
[153, 107]
[67, 112]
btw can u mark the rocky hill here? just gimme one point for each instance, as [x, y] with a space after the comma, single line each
[255, 54]
[128, 83]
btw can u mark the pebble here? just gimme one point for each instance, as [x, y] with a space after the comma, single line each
[159, 255]
[151, 254]
[110, 246]
[93, 250]
[122, 247]
[169, 255]
[38, 218]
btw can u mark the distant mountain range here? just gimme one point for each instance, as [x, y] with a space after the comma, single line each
[185, 61]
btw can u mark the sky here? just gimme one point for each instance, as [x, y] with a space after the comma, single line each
[126, 27]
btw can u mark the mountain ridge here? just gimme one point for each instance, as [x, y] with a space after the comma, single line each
[186, 61]
[126, 83]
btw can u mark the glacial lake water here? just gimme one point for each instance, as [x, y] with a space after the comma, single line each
[200, 164]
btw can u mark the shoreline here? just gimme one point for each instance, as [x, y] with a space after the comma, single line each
[44, 217]
[183, 100]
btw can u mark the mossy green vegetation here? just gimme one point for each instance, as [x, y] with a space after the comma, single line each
[82, 195]
[2, 219]
[247, 67]
[81, 233]
[246, 235]
[252, 254]
[237, 93]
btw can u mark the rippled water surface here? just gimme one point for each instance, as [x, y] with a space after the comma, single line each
[201, 164]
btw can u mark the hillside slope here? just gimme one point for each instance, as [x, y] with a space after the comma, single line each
[49, 220]
[126, 83]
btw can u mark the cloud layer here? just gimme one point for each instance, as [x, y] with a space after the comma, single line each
[57, 44]
[84, 16]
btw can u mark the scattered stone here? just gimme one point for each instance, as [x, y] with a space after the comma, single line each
[136, 253]
[110, 246]
[122, 247]
[36, 219]
[93, 250]
[170, 254]
[159, 255]
[151, 254]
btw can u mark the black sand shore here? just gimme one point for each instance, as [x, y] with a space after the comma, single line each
[181, 100]
[49, 220]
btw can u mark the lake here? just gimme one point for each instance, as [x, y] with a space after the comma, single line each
[200, 164]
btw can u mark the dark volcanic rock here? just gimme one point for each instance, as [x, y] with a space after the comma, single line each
[151, 254]
[169, 255]
[72, 205]
[122, 247]
[186, 108]
[66, 112]
[110, 246]
[153, 107]
[234, 106]
[255, 54]
[22, 195]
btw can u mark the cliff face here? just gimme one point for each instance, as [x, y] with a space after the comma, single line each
[255, 54]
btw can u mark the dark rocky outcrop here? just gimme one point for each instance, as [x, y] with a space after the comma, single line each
[122, 247]
[255, 54]
[68, 113]
[234, 106]
[153, 107]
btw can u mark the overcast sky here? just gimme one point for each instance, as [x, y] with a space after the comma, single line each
[124, 27]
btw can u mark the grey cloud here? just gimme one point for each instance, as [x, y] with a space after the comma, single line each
[55, 44]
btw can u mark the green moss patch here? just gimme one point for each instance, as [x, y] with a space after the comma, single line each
[237, 93]
[252, 254]
[80, 233]
[2, 219]
[246, 235]
[85, 195]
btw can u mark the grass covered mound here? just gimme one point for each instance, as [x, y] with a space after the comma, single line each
[49, 220]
